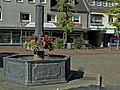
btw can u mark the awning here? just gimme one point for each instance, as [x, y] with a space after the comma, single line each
[49, 25]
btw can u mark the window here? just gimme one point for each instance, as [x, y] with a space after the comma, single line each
[25, 17]
[51, 18]
[31, 1]
[105, 3]
[0, 16]
[96, 18]
[19, 0]
[92, 2]
[110, 18]
[98, 2]
[111, 4]
[5, 37]
[7, 0]
[76, 19]
[43, 1]
[53, 3]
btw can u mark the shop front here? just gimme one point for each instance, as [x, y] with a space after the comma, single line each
[16, 35]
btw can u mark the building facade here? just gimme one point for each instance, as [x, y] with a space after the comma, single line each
[17, 20]
[101, 30]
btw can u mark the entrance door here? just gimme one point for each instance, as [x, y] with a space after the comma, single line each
[95, 38]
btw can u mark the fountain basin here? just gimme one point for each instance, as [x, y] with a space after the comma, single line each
[22, 69]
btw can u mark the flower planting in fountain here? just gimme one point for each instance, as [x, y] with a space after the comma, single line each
[32, 42]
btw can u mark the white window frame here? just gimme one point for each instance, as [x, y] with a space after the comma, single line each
[26, 20]
[111, 4]
[94, 18]
[92, 2]
[7, 0]
[43, 1]
[33, 1]
[19, 1]
[79, 19]
[99, 3]
[55, 17]
[1, 16]
[105, 3]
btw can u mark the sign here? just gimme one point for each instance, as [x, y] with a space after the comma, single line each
[110, 31]
[77, 25]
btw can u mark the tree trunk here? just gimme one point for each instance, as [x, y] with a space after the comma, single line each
[65, 39]
[117, 42]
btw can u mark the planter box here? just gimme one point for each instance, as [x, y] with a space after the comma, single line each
[18, 69]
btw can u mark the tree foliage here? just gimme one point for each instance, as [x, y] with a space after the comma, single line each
[65, 12]
[65, 22]
[115, 13]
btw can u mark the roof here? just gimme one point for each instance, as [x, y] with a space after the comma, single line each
[79, 6]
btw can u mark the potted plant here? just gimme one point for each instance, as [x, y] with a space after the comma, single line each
[38, 46]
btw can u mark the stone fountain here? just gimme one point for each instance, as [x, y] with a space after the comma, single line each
[23, 69]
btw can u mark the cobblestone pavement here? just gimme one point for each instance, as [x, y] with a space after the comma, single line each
[99, 61]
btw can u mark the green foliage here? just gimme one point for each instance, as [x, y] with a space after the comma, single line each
[115, 13]
[65, 23]
[117, 1]
[65, 11]
[58, 43]
[78, 43]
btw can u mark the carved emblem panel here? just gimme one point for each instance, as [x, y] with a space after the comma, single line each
[46, 71]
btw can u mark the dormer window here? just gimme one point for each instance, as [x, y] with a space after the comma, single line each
[111, 4]
[98, 2]
[105, 3]
[92, 2]
[31, 1]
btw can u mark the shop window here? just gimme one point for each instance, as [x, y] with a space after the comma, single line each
[0, 15]
[25, 17]
[51, 18]
[92, 2]
[98, 2]
[16, 37]
[96, 18]
[5, 37]
[57, 34]
[31, 1]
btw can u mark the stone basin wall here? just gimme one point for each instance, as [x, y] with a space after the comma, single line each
[30, 72]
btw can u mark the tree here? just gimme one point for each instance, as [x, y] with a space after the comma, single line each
[115, 13]
[65, 23]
